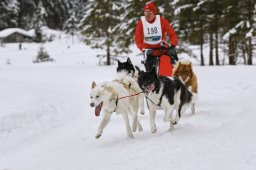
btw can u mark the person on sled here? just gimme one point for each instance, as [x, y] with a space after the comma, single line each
[150, 34]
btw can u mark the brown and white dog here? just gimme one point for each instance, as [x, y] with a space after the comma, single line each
[184, 71]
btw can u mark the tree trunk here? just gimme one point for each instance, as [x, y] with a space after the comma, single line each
[108, 54]
[211, 50]
[202, 48]
[231, 53]
[250, 51]
[217, 48]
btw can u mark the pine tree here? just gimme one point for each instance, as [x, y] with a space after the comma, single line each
[131, 15]
[56, 13]
[249, 12]
[235, 27]
[27, 9]
[168, 8]
[8, 14]
[100, 25]
[38, 23]
[70, 25]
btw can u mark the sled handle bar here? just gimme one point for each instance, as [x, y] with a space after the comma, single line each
[146, 50]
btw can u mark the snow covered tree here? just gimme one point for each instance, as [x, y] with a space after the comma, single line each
[27, 9]
[100, 25]
[239, 17]
[70, 25]
[133, 10]
[76, 8]
[8, 14]
[191, 23]
[56, 13]
[38, 23]
[166, 9]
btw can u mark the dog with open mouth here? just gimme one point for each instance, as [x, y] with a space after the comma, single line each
[109, 97]
[168, 92]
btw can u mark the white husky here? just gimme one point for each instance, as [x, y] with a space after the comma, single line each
[108, 97]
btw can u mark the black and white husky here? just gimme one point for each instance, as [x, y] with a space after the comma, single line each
[169, 93]
[125, 71]
[129, 74]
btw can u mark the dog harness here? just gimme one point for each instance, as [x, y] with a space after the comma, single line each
[116, 102]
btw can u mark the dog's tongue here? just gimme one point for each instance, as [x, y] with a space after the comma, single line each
[98, 109]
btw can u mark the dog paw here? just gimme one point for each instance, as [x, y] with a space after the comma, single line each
[134, 128]
[98, 136]
[153, 130]
[130, 136]
[174, 122]
[193, 109]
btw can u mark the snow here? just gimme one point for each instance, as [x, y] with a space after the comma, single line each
[9, 31]
[249, 34]
[177, 11]
[233, 30]
[47, 32]
[46, 122]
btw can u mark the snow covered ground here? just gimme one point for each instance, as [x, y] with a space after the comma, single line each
[46, 122]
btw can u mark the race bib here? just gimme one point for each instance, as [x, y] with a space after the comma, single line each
[152, 31]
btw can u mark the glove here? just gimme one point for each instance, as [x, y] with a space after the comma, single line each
[172, 53]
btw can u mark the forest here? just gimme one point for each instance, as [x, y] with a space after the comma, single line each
[222, 25]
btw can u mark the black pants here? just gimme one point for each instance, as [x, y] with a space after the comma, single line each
[152, 61]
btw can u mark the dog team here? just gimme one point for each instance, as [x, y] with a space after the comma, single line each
[125, 95]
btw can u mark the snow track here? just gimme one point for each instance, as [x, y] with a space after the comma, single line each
[46, 123]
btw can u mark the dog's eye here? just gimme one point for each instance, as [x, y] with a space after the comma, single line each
[97, 96]
[91, 97]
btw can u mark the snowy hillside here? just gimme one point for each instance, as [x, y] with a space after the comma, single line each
[46, 122]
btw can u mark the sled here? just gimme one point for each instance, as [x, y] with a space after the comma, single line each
[165, 66]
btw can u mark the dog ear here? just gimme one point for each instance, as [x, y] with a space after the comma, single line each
[129, 60]
[141, 72]
[190, 64]
[93, 84]
[179, 66]
[154, 71]
[118, 62]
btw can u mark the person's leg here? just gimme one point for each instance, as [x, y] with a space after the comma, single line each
[150, 62]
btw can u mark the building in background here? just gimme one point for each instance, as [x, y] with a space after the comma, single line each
[12, 35]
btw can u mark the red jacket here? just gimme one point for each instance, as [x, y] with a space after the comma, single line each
[166, 28]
